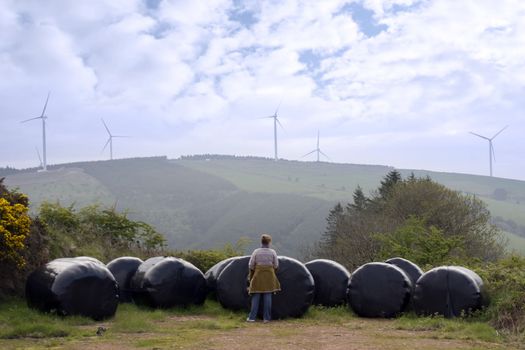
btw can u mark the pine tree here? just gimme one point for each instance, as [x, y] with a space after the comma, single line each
[388, 183]
[332, 223]
[360, 201]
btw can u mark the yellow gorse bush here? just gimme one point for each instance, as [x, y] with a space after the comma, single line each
[14, 229]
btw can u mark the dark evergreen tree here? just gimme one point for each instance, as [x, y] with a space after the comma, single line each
[360, 200]
[332, 223]
[388, 183]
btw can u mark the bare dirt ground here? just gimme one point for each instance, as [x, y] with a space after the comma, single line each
[332, 338]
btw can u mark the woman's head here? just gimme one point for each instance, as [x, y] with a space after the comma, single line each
[266, 239]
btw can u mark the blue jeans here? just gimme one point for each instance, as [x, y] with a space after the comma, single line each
[267, 306]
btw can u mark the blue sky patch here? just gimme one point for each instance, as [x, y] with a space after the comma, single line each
[310, 59]
[406, 8]
[241, 14]
[153, 4]
[365, 19]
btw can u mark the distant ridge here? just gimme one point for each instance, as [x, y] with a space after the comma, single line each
[235, 157]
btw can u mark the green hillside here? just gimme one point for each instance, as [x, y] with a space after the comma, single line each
[516, 244]
[327, 181]
[203, 202]
[64, 185]
[336, 182]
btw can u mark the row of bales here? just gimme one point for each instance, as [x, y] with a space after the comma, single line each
[85, 286]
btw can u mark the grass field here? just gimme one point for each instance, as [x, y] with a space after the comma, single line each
[211, 327]
[512, 211]
[66, 186]
[516, 244]
[333, 182]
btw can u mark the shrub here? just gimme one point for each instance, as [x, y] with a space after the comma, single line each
[14, 229]
[14, 226]
[422, 244]
[204, 259]
[103, 233]
[22, 241]
[505, 282]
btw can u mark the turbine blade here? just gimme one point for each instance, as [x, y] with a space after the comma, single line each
[107, 129]
[278, 122]
[45, 105]
[324, 154]
[120, 136]
[499, 132]
[307, 154]
[483, 137]
[24, 121]
[106, 145]
[271, 116]
[38, 153]
[278, 106]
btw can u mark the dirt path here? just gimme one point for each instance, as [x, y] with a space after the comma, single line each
[332, 338]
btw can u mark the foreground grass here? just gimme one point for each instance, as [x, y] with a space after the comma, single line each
[21, 327]
[462, 329]
[18, 321]
[211, 326]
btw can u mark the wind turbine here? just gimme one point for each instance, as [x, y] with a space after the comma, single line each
[110, 140]
[43, 117]
[275, 122]
[491, 147]
[318, 150]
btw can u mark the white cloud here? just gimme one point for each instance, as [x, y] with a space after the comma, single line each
[194, 69]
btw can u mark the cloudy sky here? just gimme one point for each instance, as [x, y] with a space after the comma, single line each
[392, 82]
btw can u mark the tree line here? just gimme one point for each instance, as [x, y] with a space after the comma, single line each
[415, 218]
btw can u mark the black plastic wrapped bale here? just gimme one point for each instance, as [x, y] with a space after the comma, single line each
[123, 269]
[294, 299]
[213, 273]
[73, 286]
[88, 258]
[379, 290]
[412, 270]
[166, 282]
[449, 291]
[297, 289]
[331, 282]
[232, 284]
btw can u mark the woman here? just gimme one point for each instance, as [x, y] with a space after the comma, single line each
[263, 281]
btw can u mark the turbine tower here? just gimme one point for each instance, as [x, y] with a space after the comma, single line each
[491, 147]
[110, 140]
[275, 122]
[43, 117]
[317, 150]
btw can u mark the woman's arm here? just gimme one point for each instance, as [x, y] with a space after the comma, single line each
[251, 263]
[275, 260]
